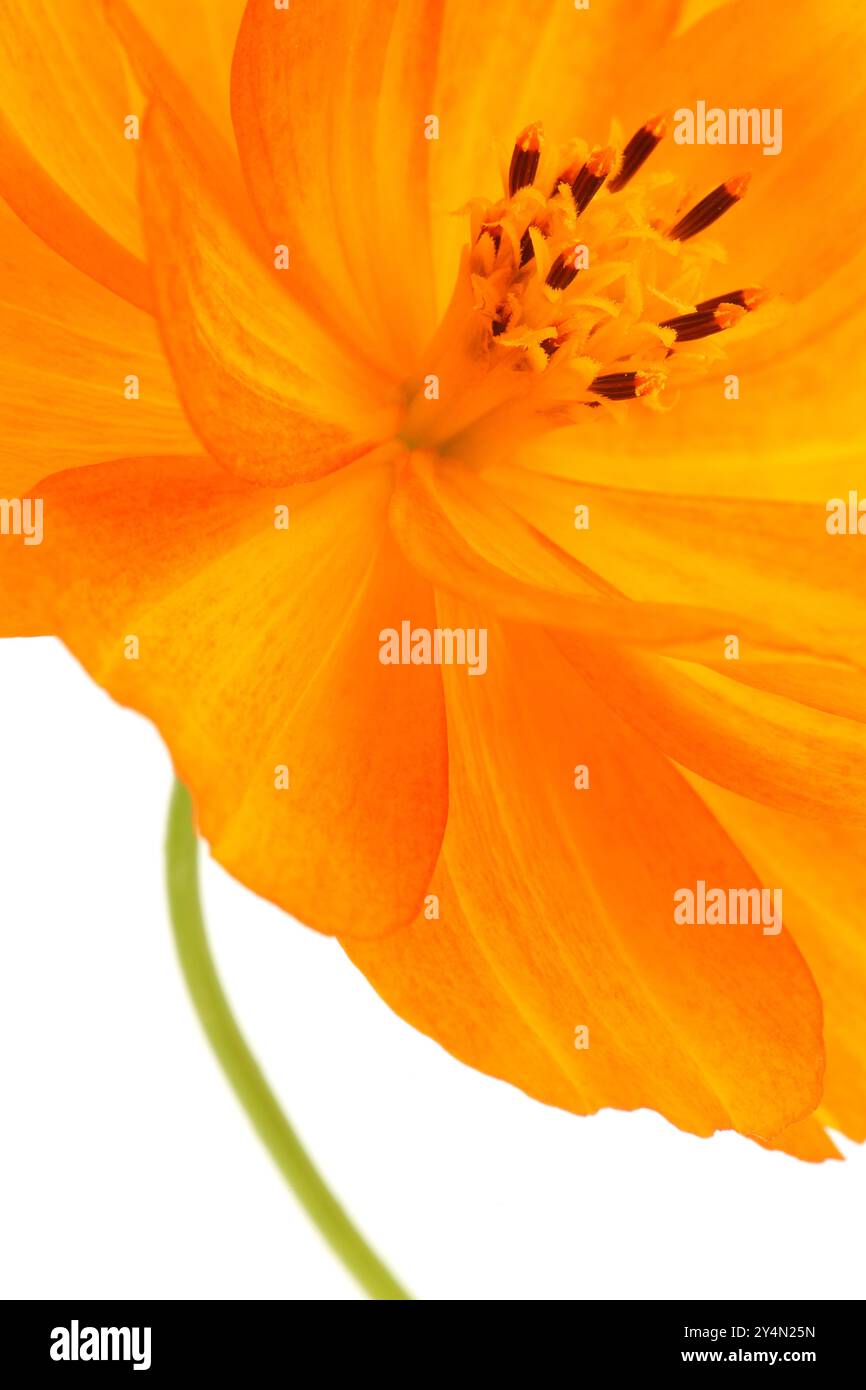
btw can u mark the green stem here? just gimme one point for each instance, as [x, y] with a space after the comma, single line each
[241, 1067]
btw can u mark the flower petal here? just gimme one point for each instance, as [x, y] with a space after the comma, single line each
[257, 651]
[457, 530]
[67, 169]
[200, 48]
[153, 76]
[740, 556]
[270, 394]
[331, 137]
[803, 216]
[568, 897]
[379, 234]
[795, 432]
[807, 1140]
[821, 867]
[68, 352]
[770, 748]
[503, 64]
[67, 346]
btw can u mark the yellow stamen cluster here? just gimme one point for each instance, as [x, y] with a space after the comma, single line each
[582, 286]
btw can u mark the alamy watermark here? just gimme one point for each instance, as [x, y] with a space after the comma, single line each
[22, 517]
[846, 517]
[740, 125]
[76, 1343]
[703, 906]
[438, 646]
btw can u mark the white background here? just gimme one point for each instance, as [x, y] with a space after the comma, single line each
[127, 1169]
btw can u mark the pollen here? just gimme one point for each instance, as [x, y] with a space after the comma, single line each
[586, 282]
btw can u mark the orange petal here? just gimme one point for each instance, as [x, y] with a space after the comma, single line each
[67, 346]
[68, 352]
[807, 1140]
[269, 393]
[693, 10]
[764, 745]
[568, 897]
[502, 65]
[258, 650]
[822, 870]
[67, 169]
[796, 431]
[154, 76]
[437, 975]
[332, 139]
[459, 533]
[803, 216]
[746, 557]
[200, 48]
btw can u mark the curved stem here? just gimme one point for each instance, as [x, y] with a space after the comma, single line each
[240, 1066]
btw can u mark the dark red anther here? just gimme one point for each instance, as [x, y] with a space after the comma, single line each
[627, 386]
[591, 177]
[524, 160]
[703, 323]
[564, 268]
[638, 150]
[710, 208]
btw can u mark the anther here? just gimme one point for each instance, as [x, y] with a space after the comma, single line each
[638, 150]
[527, 250]
[705, 321]
[564, 269]
[747, 299]
[568, 175]
[710, 208]
[524, 160]
[591, 177]
[626, 386]
[551, 345]
[493, 230]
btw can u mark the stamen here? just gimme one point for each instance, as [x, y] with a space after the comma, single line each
[527, 250]
[704, 322]
[532, 340]
[710, 208]
[564, 269]
[524, 160]
[551, 345]
[568, 175]
[747, 299]
[626, 386]
[638, 150]
[592, 176]
[493, 230]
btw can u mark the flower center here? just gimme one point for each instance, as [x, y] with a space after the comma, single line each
[579, 289]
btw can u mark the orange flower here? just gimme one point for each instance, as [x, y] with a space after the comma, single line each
[411, 333]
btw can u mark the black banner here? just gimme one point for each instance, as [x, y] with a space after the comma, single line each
[158, 1339]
